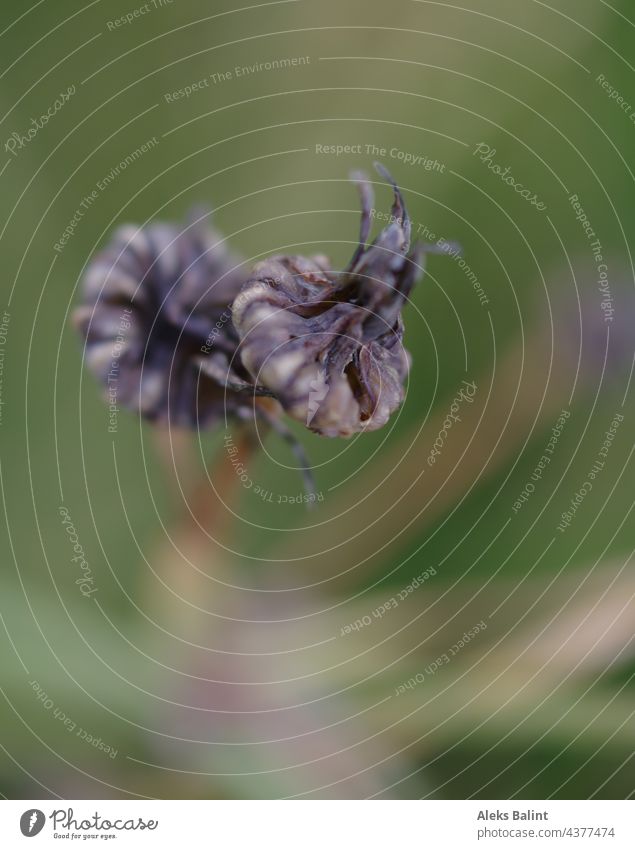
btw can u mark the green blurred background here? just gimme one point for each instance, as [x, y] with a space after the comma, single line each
[213, 661]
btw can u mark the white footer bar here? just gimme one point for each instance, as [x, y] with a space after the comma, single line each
[318, 824]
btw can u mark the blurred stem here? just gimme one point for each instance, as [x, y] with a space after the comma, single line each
[190, 567]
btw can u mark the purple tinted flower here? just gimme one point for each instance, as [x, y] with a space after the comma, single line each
[327, 344]
[157, 323]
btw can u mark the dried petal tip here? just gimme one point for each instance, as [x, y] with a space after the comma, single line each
[157, 324]
[328, 344]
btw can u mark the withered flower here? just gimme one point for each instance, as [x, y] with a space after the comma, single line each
[176, 332]
[157, 323]
[328, 344]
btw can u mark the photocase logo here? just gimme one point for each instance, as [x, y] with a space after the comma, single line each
[32, 822]
[318, 390]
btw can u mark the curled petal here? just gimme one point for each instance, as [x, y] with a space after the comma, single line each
[327, 344]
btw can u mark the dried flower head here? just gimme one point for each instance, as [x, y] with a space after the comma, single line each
[327, 344]
[157, 323]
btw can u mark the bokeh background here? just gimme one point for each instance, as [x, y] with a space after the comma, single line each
[216, 657]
